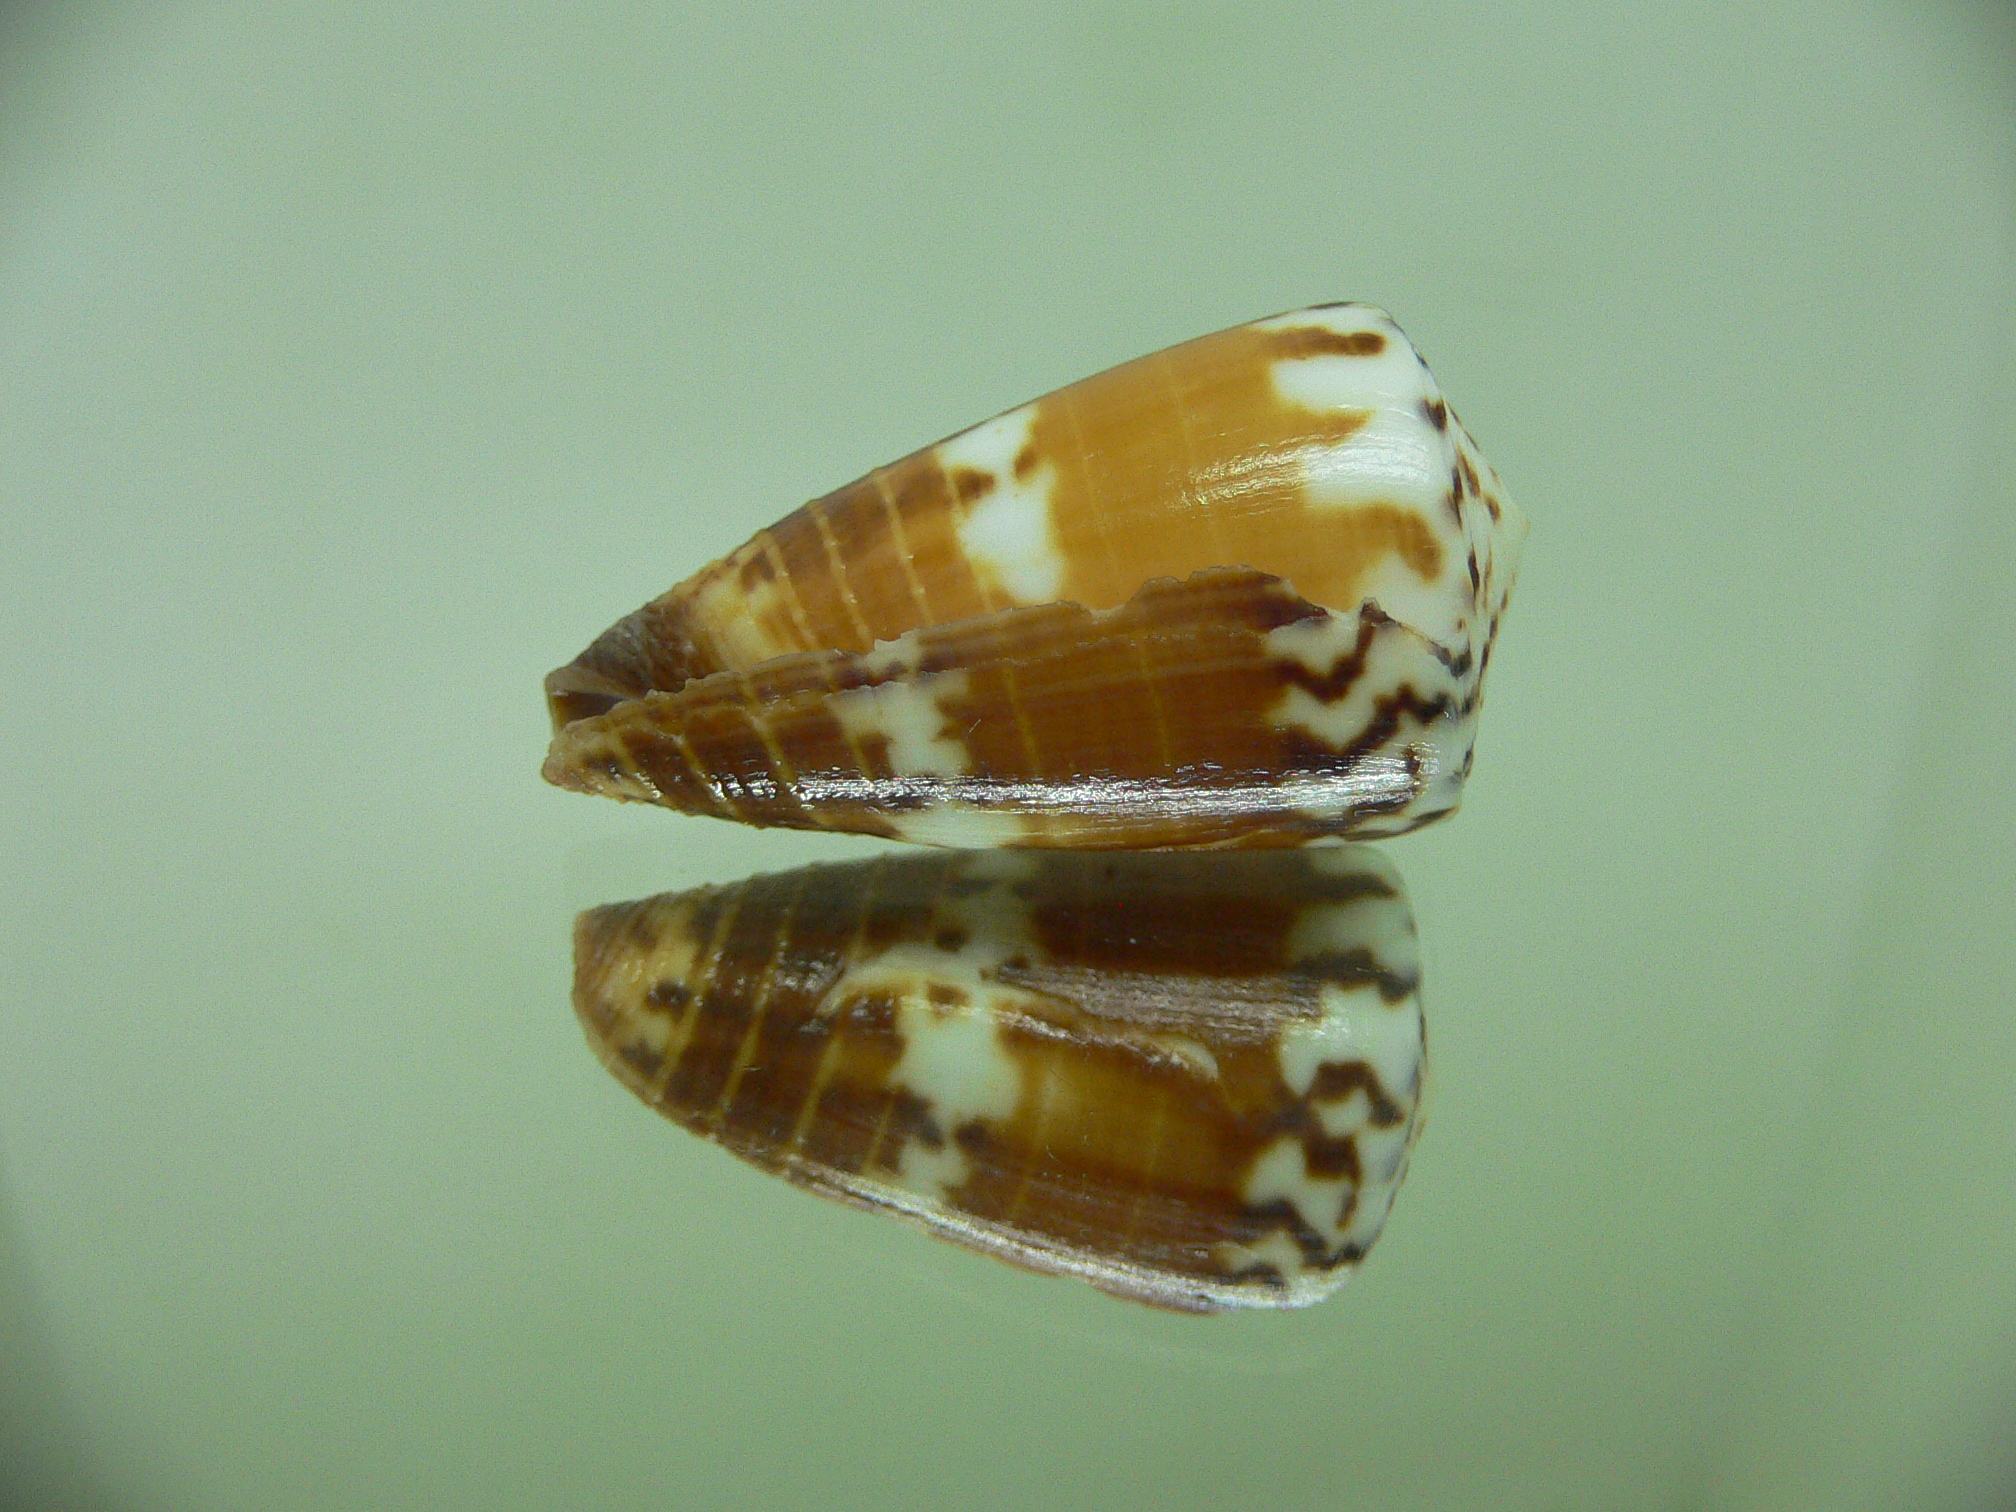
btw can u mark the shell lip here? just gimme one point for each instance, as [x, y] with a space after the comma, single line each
[617, 681]
[575, 692]
[646, 651]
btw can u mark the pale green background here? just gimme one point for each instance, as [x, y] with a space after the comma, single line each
[360, 362]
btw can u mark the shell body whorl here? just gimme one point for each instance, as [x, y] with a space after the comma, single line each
[1241, 592]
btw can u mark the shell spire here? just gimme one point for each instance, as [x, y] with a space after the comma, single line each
[1241, 592]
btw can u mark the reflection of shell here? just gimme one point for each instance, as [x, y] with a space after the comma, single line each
[1241, 592]
[1190, 1080]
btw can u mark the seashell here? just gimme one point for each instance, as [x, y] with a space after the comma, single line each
[1192, 1080]
[1238, 593]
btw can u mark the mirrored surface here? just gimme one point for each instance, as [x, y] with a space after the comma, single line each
[356, 366]
[1190, 1079]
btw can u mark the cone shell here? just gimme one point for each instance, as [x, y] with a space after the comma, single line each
[1191, 1080]
[1238, 593]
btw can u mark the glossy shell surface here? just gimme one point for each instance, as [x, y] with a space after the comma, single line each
[1241, 592]
[1191, 1080]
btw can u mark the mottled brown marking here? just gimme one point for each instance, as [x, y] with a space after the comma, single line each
[1284, 1216]
[1321, 341]
[1331, 1160]
[909, 1119]
[1360, 968]
[1389, 714]
[640, 1060]
[970, 483]
[1337, 1080]
[1437, 413]
[1349, 887]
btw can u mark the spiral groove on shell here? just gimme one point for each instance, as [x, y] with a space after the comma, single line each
[1242, 592]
